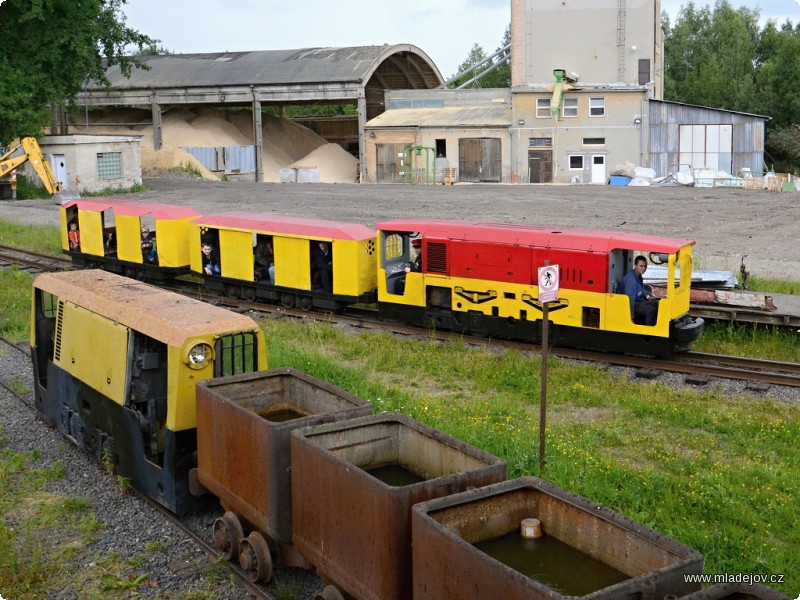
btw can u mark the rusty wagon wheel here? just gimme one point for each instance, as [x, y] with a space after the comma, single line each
[248, 294]
[228, 534]
[287, 300]
[329, 592]
[254, 557]
[306, 303]
[234, 291]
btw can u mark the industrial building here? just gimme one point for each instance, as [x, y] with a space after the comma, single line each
[586, 96]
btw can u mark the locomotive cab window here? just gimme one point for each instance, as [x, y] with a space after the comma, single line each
[236, 353]
[400, 251]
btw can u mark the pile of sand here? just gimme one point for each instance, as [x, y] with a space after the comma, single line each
[336, 163]
[286, 144]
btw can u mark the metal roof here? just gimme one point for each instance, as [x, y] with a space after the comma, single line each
[448, 116]
[163, 315]
[287, 225]
[589, 240]
[133, 208]
[394, 66]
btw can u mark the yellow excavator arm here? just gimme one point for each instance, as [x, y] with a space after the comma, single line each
[31, 153]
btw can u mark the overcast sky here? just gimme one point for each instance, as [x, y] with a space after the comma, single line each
[444, 29]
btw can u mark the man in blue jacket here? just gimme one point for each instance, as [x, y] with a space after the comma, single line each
[644, 306]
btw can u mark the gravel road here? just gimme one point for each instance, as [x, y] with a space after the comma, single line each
[726, 223]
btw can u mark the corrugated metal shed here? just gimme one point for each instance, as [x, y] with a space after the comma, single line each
[321, 72]
[666, 119]
[448, 116]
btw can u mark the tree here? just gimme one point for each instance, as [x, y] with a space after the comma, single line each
[709, 57]
[50, 47]
[500, 77]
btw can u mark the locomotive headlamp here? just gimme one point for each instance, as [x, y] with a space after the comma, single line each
[199, 355]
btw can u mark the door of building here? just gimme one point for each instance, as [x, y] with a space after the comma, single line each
[480, 159]
[540, 166]
[58, 164]
[387, 163]
[599, 168]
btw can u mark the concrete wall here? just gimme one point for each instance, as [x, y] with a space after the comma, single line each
[601, 40]
[76, 158]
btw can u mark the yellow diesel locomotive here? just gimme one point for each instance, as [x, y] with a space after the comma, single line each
[116, 362]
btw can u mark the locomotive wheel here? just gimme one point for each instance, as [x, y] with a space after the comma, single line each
[228, 534]
[233, 291]
[248, 294]
[254, 557]
[306, 303]
[329, 592]
[287, 300]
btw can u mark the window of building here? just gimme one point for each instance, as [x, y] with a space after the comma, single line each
[109, 165]
[570, 108]
[542, 141]
[644, 71]
[597, 107]
[594, 141]
[575, 162]
[542, 108]
[441, 148]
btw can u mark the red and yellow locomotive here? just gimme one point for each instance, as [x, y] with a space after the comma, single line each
[481, 278]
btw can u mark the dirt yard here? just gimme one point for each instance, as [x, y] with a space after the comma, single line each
[727, 224]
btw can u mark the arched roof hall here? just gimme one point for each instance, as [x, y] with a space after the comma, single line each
[357, 74]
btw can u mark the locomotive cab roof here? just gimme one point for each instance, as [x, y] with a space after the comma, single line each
[288, 225]
[588, 240]
[163, 315]
[133, 208]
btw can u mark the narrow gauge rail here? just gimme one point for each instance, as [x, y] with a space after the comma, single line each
[253, 590]
[726, 367]
[36, 263]
[32, 262]
[688, 363]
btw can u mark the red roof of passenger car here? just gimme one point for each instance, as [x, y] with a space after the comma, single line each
[288, 225]
[134, 208]
[589, 240]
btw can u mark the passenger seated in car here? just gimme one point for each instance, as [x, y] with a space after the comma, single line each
[644, 306]
[149, 254]
[264, 259]
[415, 266]
[210, 259]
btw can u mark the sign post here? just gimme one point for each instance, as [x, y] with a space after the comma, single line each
[548, 292]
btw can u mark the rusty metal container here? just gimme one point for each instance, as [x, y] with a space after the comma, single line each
[244, 424]
[352, 518]
[737, 591]
[448, 564]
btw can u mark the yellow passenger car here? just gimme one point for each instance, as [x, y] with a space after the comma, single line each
[116, 362]
[291, 260]
[144, 240]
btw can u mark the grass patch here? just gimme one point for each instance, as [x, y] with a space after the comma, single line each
[115, 191]
[36, 238]
[774, 286]
[187, 168]
[750, 340]
[15, 304]
[716, 473]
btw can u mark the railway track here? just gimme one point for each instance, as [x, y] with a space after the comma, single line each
[700, 366]
[33, 262]
[19, 387]
[695, 364]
